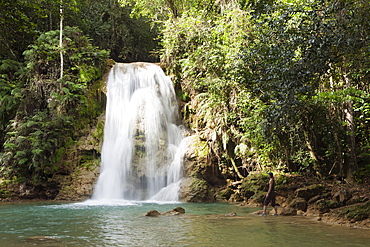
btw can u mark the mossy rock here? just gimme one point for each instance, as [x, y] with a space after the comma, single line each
[282, 181]
[224, 194]
[299, 204]
[254, 183]
[259, 197]
[196, 190]
[324, 205]
[356, 212]
[197, 148]
[310, 191]
[236, 197]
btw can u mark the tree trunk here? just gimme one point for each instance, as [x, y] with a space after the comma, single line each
[312, 154]
[351, 164]
[61, 39]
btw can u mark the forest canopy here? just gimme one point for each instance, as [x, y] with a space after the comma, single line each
[291, 78]
[282, 85]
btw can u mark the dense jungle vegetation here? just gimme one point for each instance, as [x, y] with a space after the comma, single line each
[271, 85]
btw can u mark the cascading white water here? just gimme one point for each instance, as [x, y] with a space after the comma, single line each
[142, 151]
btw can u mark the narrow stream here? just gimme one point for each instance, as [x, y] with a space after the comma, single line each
[122, 223]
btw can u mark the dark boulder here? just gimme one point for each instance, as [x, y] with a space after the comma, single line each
[175, 211]
[299, 204]
[310, 191]
[153, 213]
[288, 212]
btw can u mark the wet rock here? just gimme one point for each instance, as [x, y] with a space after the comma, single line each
[324, 206]
[236, 197]
[175, 211]
[300, 212]
[248, 194]
[232, 214]
[288, 212]
[179, 210]
[153, 213]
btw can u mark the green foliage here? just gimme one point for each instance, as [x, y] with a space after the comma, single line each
[270, 79]
[201, 49]
[83, 65]
[22, 21]
[255, 183]
[291, 55]
[30, 148]
[9, 93]
[111, 27]
[52, 111]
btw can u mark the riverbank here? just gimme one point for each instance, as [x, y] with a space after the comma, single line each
[332, 201]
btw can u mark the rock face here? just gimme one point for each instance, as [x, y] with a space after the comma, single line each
[195, 190]
[200, 174]
[76, 174]
[77, 182]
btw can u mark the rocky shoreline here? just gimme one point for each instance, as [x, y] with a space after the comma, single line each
[330, 201]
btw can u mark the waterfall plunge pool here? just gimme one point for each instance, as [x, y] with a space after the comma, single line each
[122, 223]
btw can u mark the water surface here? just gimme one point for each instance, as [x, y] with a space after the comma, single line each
[123, 224]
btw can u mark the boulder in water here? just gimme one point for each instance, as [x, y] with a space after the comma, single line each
[153, 213]
[288, 212]
[232, 214]
[175, 211]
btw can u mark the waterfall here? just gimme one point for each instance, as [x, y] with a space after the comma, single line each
[142, 150]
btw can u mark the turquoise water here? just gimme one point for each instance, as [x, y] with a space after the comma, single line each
[124, 224]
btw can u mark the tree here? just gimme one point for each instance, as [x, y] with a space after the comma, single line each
[52, 110]
[61, 39]
[298, 49]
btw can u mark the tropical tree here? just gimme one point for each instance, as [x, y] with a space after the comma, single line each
[52, 110]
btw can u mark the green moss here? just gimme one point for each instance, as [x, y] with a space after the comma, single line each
[224, 194]
[282, 180]
[58, 156]
[324, 205]
[90, 166]
[201, 148]
[198, 185]
[255, 183]
[183, 96]
[357, 212]
[4, 194]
